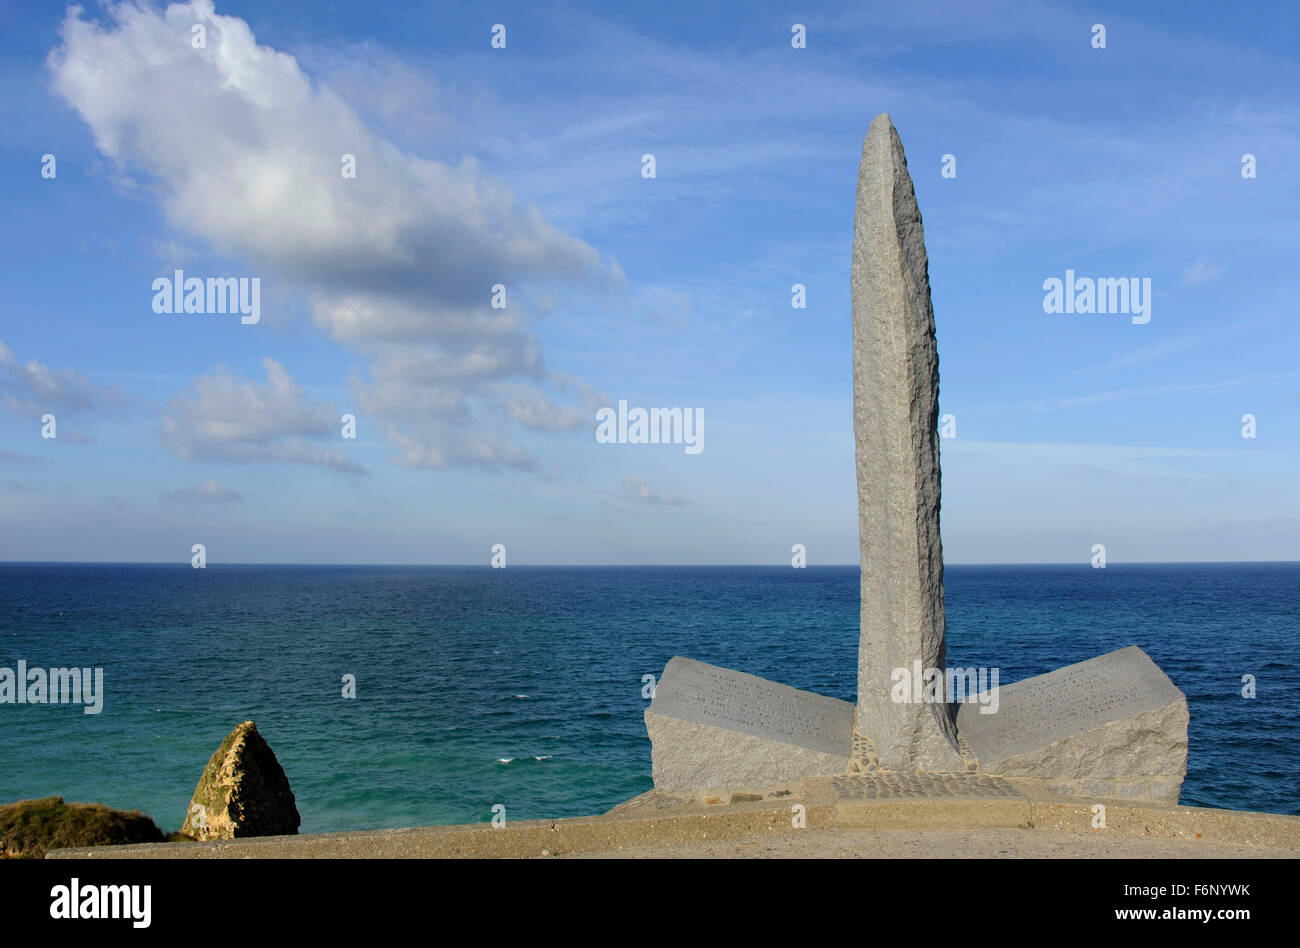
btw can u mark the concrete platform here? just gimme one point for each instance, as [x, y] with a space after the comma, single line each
[839, 817]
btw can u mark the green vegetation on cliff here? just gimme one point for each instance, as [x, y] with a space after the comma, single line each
[30, 828]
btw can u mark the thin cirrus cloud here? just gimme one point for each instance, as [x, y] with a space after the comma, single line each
[18, 457]
[398, 262]
[207, 492]
[1178, 345]
[228, 418]
[1126, 393]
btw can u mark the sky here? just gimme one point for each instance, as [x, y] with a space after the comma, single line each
[523, 167]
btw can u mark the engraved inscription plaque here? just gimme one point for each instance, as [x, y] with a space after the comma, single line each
[719, 697]
[1073, 700]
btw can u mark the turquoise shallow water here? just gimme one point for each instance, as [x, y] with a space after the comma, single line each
[523, 686]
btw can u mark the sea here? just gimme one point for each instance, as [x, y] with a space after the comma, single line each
[524, 687]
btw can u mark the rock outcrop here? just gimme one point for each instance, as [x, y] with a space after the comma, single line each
[243, 792]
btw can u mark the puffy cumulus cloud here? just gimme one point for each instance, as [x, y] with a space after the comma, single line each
[208, 492]
[428, 418]
[32, 388]
[455, 410]
[233, 419]
[637, 490]
[244, 152]
[371, 317]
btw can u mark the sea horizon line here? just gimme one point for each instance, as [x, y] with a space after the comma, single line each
[185, 563]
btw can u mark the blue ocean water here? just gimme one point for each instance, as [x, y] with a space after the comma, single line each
[523, 686]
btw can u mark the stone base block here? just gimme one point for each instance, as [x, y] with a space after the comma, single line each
[714, 727]
[1114, 726]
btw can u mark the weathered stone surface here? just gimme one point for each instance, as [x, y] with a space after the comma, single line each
[895, 420]
[1113, 726]
[714, 727]
[243, 792]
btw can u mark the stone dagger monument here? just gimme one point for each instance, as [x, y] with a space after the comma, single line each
[895, 421]
[1113, 726]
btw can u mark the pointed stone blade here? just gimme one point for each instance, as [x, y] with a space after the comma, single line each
[895, 421]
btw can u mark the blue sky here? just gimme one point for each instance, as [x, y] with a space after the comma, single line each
[522, 166]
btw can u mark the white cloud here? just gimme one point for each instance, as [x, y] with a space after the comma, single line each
[33, 388]
[209, 492]
[1200, 272]
[530, 407]
[234, 419]
[635, 489]
[244, 150]
[443, 447]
